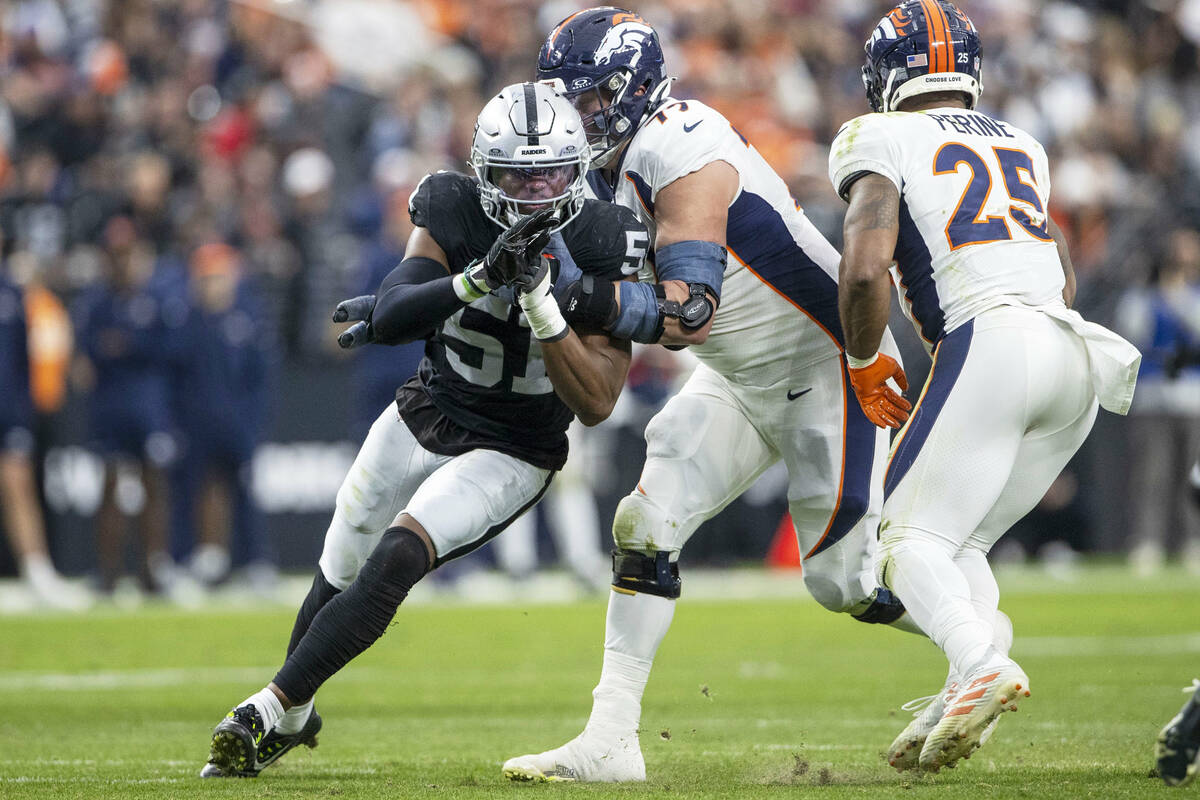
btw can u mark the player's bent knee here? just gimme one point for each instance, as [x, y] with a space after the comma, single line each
[636, 522]
[829, 592]
[649, 574]
[401, 556]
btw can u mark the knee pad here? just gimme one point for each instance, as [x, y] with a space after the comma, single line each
[829, 593]
[399, 560]
[637, 521]
[638, 572]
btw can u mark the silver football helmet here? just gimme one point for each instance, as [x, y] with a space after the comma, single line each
[530, 151]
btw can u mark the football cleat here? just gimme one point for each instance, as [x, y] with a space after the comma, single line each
[589, 757]
[905, 751]
[1178, 748]
[966, 723]
[235, 741]
[271, 749]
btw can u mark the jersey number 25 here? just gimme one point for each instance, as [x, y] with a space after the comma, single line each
[965, 227]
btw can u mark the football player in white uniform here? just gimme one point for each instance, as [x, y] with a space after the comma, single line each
[954, 203]
[742, 276]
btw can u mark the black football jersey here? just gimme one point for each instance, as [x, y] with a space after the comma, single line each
[482, 382]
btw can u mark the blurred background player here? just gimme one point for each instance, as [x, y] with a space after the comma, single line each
[222, 393]
[475, 438]
[1163, 320]
[126, 337]
[22, 513]
[737, 271]
[956, 201]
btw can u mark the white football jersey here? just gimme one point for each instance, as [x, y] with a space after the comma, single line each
[778, 309]
[973, 199]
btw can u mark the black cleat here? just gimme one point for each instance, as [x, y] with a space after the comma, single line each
[235, 741]
[270, 749]
[1178, 749]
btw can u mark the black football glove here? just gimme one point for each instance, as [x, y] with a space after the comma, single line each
[514, 252]
[357, 310]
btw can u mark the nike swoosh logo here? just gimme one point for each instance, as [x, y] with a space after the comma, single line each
[794, 395]
[692, 127]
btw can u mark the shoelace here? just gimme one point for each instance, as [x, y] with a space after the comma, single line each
[918, 705]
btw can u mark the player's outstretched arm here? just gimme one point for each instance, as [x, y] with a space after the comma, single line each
[414, 297]
[864, 296]
[1064, 255]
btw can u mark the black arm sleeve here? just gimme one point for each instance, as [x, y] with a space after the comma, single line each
[412, 300]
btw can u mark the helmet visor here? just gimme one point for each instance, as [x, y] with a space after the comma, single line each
[529, 188]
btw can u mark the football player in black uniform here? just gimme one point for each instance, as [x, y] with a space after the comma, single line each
[476, 436]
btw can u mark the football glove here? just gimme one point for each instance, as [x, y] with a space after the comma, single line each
[881, 404]
[535, 294]
[357, 310]
[516, 250]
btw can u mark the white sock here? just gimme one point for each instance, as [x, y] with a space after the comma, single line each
[634, 627]
[985, 594]
[268, 706]
[38, 570]
[937, 595]
[294, 719]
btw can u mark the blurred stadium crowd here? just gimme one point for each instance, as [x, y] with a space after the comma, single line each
[187, 188]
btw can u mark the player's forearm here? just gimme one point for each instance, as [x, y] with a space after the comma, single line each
[412, 301]
[587, 373]
[863, 303]
[864, 286]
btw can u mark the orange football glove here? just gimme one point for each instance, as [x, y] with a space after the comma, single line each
[879, 402]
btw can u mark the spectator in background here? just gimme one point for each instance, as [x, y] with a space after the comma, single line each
[1163, 320]
[125, 335]
[22, 513]
[222, 397]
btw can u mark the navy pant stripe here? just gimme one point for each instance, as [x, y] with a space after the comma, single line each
[857, 466]
[949, 357]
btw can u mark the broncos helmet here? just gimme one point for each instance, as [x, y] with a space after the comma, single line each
[615, 54]
[922, 46]
[529, 150]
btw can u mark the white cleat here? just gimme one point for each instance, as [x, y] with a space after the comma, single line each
[588, 758]
[905, 751]
[971, 715]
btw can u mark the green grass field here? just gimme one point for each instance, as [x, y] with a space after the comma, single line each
[749, 698]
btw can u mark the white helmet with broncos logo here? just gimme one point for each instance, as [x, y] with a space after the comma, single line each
[530, 151]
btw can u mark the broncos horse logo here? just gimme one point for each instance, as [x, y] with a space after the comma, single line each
[901, 20]
[627, 36]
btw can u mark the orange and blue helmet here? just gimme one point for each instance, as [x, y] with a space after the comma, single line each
[615, 54]
[922, 46]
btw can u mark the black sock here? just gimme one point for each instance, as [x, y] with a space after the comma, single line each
[321, 592]
[354, 619]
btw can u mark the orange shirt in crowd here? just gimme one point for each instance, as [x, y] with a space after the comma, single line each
[51, 341]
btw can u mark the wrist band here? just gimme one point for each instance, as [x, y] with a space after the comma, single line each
[859, 363]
